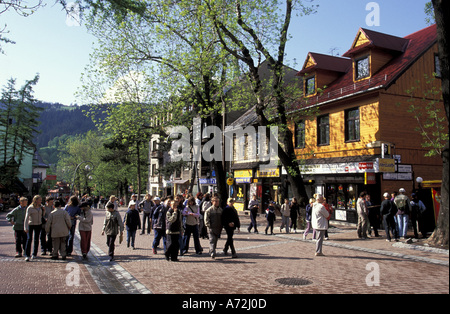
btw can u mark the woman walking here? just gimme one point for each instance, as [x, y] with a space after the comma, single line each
[85, 227]
[33, 225]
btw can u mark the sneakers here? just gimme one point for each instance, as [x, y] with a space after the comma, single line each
[320, 254]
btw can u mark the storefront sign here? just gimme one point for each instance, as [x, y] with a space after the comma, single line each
[268, 173]
[243, 173]
[351, 167]
[397, 176]
[386, 165]
[208, 181]
[341, 215]
[243, 180]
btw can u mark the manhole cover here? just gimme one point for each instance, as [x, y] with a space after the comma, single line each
[294, 281]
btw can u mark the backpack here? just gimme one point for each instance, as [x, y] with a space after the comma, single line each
[402, 205]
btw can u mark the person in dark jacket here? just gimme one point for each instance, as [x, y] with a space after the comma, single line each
[174, 229]
[230, 221]
[159, 223]
[388, 211]
[132, 222]
[270, 217]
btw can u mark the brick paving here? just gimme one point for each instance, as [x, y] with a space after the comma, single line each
[349, 266]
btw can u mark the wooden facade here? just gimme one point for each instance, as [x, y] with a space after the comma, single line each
[381, 99]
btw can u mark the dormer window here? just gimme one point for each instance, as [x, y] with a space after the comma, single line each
[310, 86]
[362, 68]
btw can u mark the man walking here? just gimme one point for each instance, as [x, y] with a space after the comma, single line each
[319, 222]
[363, 217]
[213, 221]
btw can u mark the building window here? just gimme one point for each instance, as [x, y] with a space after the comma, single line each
[310, 86]
[362, 68]
[323, 130]
[437, 66]
[300, 134]
[352, 126]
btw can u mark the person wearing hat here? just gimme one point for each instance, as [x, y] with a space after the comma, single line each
[86, 220]
[132, 222]
[230, 221]
[404, 209]
[388, 210]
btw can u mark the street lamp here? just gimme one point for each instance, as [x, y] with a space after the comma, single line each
[87, 168]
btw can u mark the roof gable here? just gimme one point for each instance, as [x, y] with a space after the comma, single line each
[416, 45]
[370, 39]
[318, 61]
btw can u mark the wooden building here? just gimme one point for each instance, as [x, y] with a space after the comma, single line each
[364, 138]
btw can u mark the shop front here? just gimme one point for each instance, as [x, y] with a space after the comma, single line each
[264, 183]
[341, 184]
[241, 190]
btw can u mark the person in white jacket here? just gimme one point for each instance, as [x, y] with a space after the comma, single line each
[319, 222]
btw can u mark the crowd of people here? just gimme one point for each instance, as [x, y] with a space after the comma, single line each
[174, 220]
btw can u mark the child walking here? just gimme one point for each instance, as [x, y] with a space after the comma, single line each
[112, 225]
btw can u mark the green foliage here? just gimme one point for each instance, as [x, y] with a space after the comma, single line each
[18, 123]
[428, 112]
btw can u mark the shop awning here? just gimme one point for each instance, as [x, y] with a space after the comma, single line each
[180, 182]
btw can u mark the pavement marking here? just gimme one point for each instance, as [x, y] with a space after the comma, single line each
[110, 277]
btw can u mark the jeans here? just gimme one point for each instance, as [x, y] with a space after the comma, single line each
[158, 235]
[131, 236]
[69, 246]
[389, 225]
[402, 221]
[36, 229]
[253, 223]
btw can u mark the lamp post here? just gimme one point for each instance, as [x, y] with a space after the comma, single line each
[87, 168]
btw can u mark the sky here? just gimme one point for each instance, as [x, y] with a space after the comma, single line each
[48, 44]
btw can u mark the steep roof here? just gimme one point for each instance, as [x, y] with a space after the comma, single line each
[416, 45]
[318, 61]
[370, 39]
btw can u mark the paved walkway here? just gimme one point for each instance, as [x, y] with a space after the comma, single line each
[283, 263]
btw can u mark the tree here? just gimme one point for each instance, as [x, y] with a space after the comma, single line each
[18, 122]
[254, 30]
[442, 15]
[210, 45]
[176, 47]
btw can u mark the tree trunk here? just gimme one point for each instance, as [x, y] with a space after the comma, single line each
[442, 14]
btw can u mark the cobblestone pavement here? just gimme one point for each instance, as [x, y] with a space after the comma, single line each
[266, 264]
